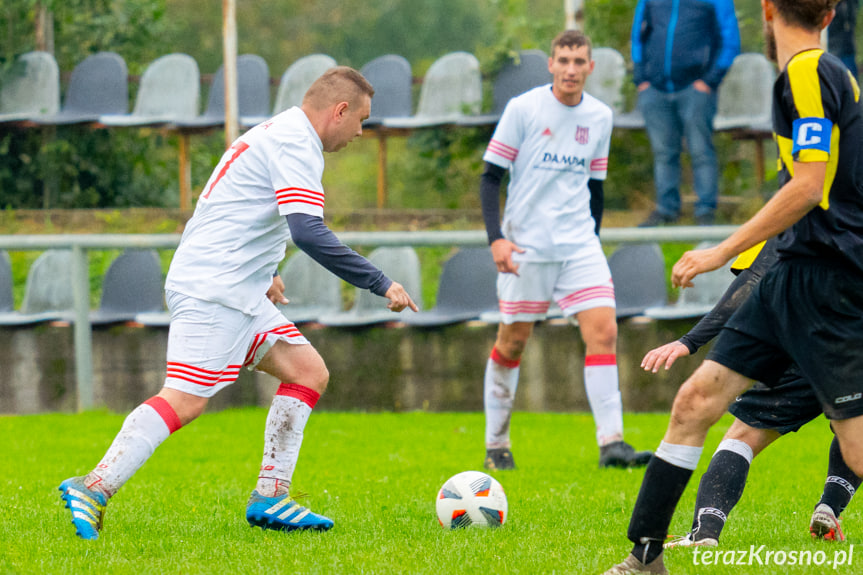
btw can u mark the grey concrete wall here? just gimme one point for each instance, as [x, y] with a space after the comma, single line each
[372, 369]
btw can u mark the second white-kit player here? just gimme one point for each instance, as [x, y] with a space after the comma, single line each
[554, 140]
[221, 291]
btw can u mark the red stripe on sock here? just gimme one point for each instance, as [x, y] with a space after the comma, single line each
[600, 359]
[501, 360]
[166, 412]
[305, 394]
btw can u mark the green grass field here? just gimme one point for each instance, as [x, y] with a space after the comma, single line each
[377, 476]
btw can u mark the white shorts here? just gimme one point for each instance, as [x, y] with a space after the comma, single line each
[577, 284]
[208, 343]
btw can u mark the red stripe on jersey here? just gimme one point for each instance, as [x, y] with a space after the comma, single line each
[501, 360]
[600, 359]
[599, 164]
[502, 150]
[305, 394]
[166, 412]
[300, 195]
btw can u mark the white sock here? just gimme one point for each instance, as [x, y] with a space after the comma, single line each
[143, 431]
[684, 456]
[283, 437]
[499, 385]
[603, 394]
[741, 448]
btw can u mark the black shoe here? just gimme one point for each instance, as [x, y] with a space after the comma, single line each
[657, 218]
[705, 220]
[620, 454]
[499, 459]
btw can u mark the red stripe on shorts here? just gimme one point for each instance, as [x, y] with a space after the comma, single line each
[305, 394]
[166, 412]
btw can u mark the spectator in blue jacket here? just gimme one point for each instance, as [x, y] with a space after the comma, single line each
[681, 50]
[840, 34]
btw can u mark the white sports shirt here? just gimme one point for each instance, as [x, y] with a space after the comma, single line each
[237, 236]
[551, 150]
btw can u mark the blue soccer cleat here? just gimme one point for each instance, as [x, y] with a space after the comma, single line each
[87, 507]
[283, 514]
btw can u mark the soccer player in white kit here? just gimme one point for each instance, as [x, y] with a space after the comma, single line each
[554, 140]
[221, 291]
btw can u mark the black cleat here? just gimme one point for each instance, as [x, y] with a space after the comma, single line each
[499, 459]
[621, 454]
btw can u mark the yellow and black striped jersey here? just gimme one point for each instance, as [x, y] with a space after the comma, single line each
[817, 118]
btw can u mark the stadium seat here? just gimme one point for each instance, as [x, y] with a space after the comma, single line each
[7, 301]
[312, 290]
[400, 264]
[47, 295]
[99, 85]
[638, 272]
[293, 85]
[30, 88]
[606, 81]
[253, 94]
[516, 77]
[699, 299]
[451, 90]
[467, 289]
[391, 77]
[745, 96]
[169, 91]
[132, 285]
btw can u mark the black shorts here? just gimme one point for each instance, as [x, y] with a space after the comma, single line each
[785, 407]
[808, 312]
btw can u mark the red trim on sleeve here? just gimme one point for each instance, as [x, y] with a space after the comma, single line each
[166, 412]
[600, 359]
[305, 394]
[501, 360]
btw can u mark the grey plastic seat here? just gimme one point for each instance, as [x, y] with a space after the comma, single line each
[293, 86]
[7, 301]
[99, 85]
[698, 300]
[400, 264]
[253, 94]
[451, 90]
[638, 272]
[30, 88]
[467, 289]
[606, 81]
[312, 290]
[745, 96]
[515, 78]
[391, 77]
[170, 90]
[48, 293]
[132, 285]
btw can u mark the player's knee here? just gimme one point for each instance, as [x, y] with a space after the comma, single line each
[511, 348]
[318, 378]
[692, 406]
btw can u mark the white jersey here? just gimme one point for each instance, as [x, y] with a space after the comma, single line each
[551, 150]
[237, 236]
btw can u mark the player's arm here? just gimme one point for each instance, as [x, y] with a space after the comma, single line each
[597, 202]
[793, 201]
[311, 234]
[489, 195]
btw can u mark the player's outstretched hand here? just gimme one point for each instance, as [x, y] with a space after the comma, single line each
[501, 251]
[665, 354]
[276, 293]
[399, 298]
[696, 262]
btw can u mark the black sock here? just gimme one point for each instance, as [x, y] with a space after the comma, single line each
[660, 491]
[719, 491]
[841, 481]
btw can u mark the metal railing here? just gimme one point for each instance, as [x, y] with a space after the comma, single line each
[81, 245]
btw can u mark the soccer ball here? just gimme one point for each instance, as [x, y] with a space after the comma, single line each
[471, 499]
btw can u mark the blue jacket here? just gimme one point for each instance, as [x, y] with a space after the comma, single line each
[675, 42]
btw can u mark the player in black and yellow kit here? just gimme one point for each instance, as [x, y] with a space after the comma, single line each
[808, 307]
[762, 415]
